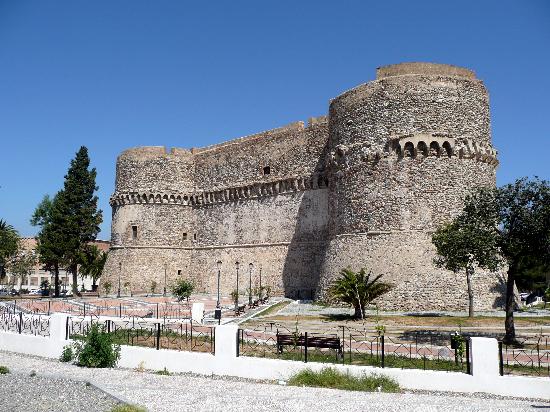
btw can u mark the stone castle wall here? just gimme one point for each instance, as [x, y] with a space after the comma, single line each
[364, 186]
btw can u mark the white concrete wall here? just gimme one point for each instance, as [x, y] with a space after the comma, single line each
[484, 357]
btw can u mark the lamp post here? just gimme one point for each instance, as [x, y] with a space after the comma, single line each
[237, 298]
[119, 274]
[250, 266]
[261, 292]
[219, 264]
[165, 265]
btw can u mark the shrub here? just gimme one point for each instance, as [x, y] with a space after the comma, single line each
[68, 354]
[235, 297]
[128, 408]
[107, 287]
[153, 287]
[163, 372]
[4, 370]
[331, 378]
[183, 289]
[97, 350]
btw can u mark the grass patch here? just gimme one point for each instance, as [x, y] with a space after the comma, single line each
[163, 372]
[128, 408]
[331, 378]
[273, 309]
[4, 370]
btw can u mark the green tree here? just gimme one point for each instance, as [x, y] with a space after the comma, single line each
[464, 244]
[515, 218]
[50, 246]
[70, 221]
[183, 289]
[21, 266]
[9, 245]
[357, 289]
[92, 261]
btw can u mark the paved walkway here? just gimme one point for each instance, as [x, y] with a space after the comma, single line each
[199, 393]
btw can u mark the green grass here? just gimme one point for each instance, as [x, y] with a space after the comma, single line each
[331, 378]
[273, 309]
[163, 372]
[128, 408]
[4, 370]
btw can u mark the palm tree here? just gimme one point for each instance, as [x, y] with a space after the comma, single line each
[357, 289]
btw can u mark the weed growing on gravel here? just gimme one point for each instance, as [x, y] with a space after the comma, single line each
[331, 378]
[163, 372]
[4, 370]
[128, 408]
[67, 355]
[97, 350]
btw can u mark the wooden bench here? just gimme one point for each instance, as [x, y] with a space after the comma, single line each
[255, 303]
[313, 341]
[240, 309]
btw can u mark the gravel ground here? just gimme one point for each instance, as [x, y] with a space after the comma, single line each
[23, 393]
[199, 393]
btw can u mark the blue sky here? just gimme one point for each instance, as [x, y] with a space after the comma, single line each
[116, 74]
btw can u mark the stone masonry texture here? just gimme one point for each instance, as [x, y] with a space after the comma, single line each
[364, 186]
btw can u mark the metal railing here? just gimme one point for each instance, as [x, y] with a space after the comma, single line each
[354, 346]
[527, 356]
[182, 336]
[38, 325]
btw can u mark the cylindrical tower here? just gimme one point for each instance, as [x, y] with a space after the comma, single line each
[405, 150]
[152, 222]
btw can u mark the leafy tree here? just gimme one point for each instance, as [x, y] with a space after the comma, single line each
[357, 289]
[70, 221]
[21, 266]
[183, 289]
[464, 244]
[50, 246]
[515, 218]
[92, 261]
[9, 245]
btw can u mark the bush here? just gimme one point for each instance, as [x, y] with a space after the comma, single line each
[331, 378]
[67, 355]
[97, 350]
[183, 289]
[4, 370]
[128, 408]
[163, 372]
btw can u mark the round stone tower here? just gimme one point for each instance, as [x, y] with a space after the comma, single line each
[404, 151]
[152, 221]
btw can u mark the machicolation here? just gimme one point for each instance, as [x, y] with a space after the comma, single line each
[364, 186]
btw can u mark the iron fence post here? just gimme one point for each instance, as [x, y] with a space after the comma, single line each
[343, 345]
[157, 310]
[500, 359]
[49, 306]
[382, 357]
[305, 347]
[20, 321]
[67, 328]
[158, 336]
[468, 356]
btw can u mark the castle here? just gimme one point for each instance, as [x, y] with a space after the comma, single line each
[364, 186]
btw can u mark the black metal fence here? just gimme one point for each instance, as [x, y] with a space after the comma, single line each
[105, 307]
[37, 325]
[354, 346]
[527, 356]
[182, 336]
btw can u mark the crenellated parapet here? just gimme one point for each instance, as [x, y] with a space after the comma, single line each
[223, 195]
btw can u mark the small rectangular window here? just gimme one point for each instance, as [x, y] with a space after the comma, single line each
[194, 236]
[134, 232]
[179, 272]
[267, 170]
[184, 235]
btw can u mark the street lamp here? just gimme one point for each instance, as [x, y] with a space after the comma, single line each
[119, 274]
[237, 298]
[261, 292]
[250, 266]
[219, 264]
[165, 265]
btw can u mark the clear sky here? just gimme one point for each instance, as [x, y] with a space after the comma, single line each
[116, 74]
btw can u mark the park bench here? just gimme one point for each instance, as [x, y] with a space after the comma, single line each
[240, 309]
[255, 303]
[311, 341]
